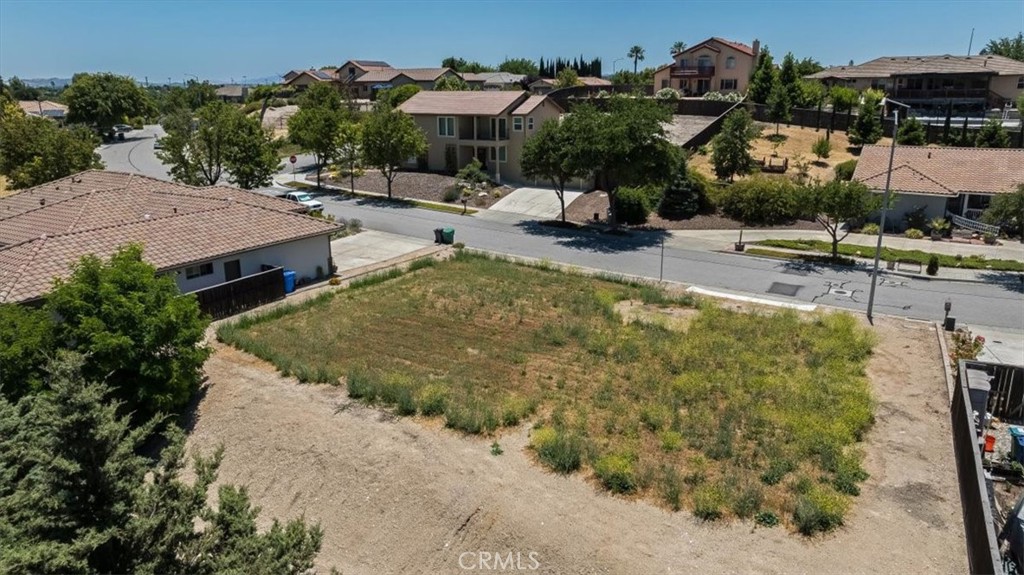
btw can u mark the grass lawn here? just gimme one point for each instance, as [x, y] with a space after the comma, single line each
[725, 413]
[972, 262]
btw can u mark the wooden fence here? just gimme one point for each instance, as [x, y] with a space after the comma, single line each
[245, 293]
[979, 527]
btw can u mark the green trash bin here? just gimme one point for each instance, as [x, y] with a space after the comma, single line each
[448, 235]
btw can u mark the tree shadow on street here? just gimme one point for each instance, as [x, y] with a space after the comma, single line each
[1009, 281]
[596, 240]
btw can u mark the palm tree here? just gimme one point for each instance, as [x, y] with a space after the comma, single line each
[637, 54]
[678, 47]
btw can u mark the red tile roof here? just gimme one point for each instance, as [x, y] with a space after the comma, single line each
[942, 171]
[101, 211]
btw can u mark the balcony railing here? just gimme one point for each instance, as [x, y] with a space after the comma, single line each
[693, 71]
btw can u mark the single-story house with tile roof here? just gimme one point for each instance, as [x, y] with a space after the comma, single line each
[368, 85]
[489, 126]
[202, 236]
[305, 78]
[233, 93]
[493, 80]
[44, 108]
[545, 85]
[960, 181]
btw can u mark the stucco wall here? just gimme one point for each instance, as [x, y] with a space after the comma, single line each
[1006, 86]
[935, 206]
[741, 72]
[301, 256]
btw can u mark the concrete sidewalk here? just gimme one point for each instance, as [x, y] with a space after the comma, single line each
[370, 248]
[725, 238]
[540, 203]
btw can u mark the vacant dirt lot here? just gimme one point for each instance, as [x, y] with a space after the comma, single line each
[798, 143]
[397, 495]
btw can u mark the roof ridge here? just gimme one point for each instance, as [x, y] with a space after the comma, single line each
[916, 171]
[21, 268]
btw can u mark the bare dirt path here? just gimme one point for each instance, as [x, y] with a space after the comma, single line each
[398, 495]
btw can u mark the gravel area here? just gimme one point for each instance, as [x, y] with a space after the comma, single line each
[584, 208]
[417, 185]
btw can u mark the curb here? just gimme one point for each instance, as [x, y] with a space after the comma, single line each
[945, 360]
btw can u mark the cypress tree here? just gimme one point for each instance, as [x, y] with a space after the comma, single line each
[946, 126]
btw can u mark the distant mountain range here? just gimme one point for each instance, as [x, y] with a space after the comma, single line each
[61, 82]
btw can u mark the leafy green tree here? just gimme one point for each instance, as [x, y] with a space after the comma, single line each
[764, 77]
[36, 150]
[677, 47]
[450, 84]
[547, 155]
[251, 154]
[396, 96]
[911, 133]
[623, 145]
[1007, 211]
[21, 91]
[626, 78]
[779, 106]
[74, 494]
[460, 65]
[808, 66]
[684, 194]
[811, 94]
[567, 78]
[192, 96]
[992, 135]
[218, 137]
[1011, 47]
[523, 66]
[314, 127]
[390, 138]
[867, 129]
[843, 98]
[138, 332]
[730, 154]
[636, 53]
[103, 100]
[790, 79]
[25, 343]
[348, 151]
[835, 203]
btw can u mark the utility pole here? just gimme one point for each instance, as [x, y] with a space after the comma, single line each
[885, 206]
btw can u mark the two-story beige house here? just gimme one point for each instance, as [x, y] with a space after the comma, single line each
[714, 65]
[489, 126]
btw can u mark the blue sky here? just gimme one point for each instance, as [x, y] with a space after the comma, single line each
[226, 39]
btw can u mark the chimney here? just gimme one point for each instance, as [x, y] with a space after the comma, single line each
[756, 45]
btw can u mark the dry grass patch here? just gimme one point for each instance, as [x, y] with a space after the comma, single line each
[729, 414]
[798, 141]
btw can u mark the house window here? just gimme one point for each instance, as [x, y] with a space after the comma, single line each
[498, 154]
[517, 124]
[704, 61]
[727, 84]
[664, 83]
[1020, 82]
[446, 126]
[730, 63]
[529, 123]
[199, 270]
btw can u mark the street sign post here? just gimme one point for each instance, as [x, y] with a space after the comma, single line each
[293, 159]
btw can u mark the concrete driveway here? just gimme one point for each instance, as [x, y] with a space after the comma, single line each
[370, 248]
[540, 203]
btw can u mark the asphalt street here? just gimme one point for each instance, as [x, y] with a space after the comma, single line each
[991, 305]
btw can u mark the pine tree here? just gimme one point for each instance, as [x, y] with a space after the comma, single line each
[684, 194]
[790, 79]
[992, 135]
[763, 79]
[867, 128]
[911, 133]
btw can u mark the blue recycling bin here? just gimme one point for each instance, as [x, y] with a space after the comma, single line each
[289, 281]
[1017, 444]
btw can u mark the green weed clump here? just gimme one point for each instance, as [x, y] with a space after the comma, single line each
[821, 509]
[616, 472]
[559, 450]
[709, 502]
[432, 399]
